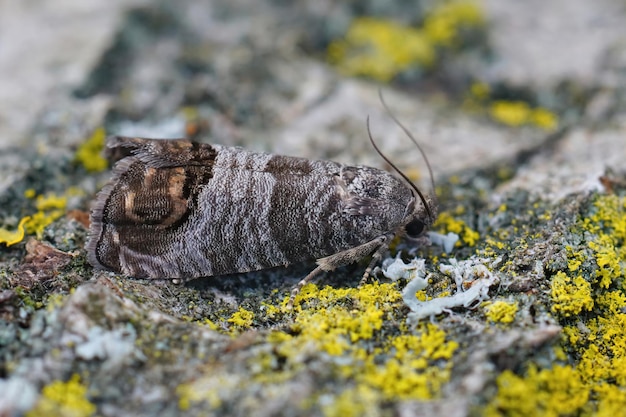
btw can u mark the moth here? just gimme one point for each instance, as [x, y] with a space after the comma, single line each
[180, 209]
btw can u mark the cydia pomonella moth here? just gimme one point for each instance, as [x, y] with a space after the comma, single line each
[181, 209]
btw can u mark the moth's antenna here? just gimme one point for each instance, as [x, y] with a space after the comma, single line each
[406, 131]
[382, 155]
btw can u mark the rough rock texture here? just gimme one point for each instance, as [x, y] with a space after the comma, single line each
[520, 112]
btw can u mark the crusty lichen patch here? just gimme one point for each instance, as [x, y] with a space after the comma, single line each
[49, 208]
[64, 399]
[11, 237]
[450, 222]
[501, 311]
[361, 345]
[548, 392]
[381, 49]
[589, 299]
[89, 153]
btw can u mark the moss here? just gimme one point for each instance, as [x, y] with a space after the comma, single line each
[89, 153]
[63, 399]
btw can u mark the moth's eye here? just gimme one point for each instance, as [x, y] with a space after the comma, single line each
[414, 228]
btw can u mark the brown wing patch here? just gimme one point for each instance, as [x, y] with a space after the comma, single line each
[148, 199]
[148, 196]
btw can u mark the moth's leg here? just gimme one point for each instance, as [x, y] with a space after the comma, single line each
[302, 283]
[376, 257]
[343, 258]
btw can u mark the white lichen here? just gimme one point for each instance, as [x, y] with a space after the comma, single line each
[396, 269]
[446, 241]
[471, 274]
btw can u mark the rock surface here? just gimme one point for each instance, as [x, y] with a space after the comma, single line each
[522, 119]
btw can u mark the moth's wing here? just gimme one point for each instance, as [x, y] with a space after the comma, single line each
[175, 209]
[152, 192]
[159, 152]
[167, 215]
[363, 206]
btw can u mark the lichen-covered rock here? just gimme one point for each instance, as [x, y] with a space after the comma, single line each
[525, 309]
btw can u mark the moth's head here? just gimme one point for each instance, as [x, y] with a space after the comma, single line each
[422, 211]
[423, 215]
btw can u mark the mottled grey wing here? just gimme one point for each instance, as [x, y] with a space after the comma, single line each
[178, 209]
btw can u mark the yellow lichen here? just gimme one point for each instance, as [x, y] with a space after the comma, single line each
[30, 193]
[574, 259]
[611, 400]
[40, 220]
[382, 49]
[444, 23]
[519, 113]
[63, 399]
[593, 382]
[410, 374]
[544, 119]
[50, 201]
[548, 392]
[480, 91]
[51, 207]
[357, 336]
[352, 402]
[9, 237]
[205, 390]
[448, 223]
[271, 311]
[569, 295]
[511, 113]
[89, 153]
[608, 260]
[210, 324]
[242, 318]
[501, 312]
[413, 367]
[334, 329]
